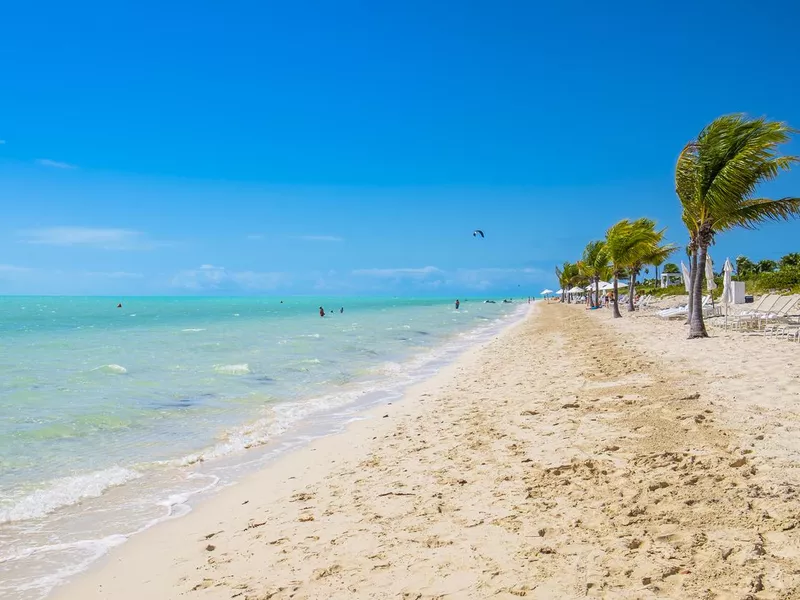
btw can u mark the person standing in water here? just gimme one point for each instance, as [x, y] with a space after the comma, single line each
[457, 303]
[321, 312]
[341, 311]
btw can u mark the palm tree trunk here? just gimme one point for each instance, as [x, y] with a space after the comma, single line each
[631, 290]
[692, 275]
[697, 327]
[615, 306]
[597, 291]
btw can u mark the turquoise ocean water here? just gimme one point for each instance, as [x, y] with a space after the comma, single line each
[113, 419]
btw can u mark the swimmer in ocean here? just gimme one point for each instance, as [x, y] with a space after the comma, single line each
[321, 312]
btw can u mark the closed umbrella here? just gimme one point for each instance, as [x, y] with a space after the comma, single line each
[710, 283]
[687, 278]
[727, 288]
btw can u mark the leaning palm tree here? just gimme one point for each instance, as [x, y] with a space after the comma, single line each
[647, 253]
[594, 266]
[716, 179]
[568, 275]
[625, 242]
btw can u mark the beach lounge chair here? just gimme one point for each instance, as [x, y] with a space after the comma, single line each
[778, 318]
[682, 311]
[747, 316]
[779, 313]
[644, 302]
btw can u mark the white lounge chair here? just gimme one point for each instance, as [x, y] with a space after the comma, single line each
[681, 311]
[778, 315]
[750, 315]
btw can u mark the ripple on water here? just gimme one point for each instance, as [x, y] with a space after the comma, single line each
[240, 369]
[112, 368]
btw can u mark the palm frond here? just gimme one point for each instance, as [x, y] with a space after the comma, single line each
[627, 242]
[751, 213]
[594, 259]
[735, 156]
[687, 184]
[718, 174]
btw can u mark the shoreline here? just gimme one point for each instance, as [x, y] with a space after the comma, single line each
[331, 423]
[566, 458]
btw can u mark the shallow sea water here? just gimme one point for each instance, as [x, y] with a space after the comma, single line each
[112, 419]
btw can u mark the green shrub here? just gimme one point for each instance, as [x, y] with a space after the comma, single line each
[786, 278]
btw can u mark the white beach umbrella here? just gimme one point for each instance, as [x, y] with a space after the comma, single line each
[605, 286]
[687, 279]
[545, 291]
[620, 284]
[559, 292]
[710, 283]
[576, 290]
[727, 288]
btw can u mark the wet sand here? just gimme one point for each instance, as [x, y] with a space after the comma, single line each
[572, 456]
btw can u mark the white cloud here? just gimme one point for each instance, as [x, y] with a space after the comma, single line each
[320, 238]
[12, 269]
[46, 162]
[415, 273]
[210, 277]
[106, 238]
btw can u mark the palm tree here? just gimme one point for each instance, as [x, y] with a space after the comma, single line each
[790, 260]
[594, 266]
[716, 178]
[568, 275]
[766, 266]
[625, 244]
[671, 268]
[656, 264]
[744, 266]
[647, 253]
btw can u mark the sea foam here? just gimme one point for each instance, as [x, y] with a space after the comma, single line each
[242, 369]
[112, 368]
[65, 492]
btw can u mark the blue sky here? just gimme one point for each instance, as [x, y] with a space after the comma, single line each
[352, 147]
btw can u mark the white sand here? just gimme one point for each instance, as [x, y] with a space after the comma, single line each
[573, 456]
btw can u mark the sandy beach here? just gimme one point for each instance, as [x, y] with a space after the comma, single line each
[574, 455]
